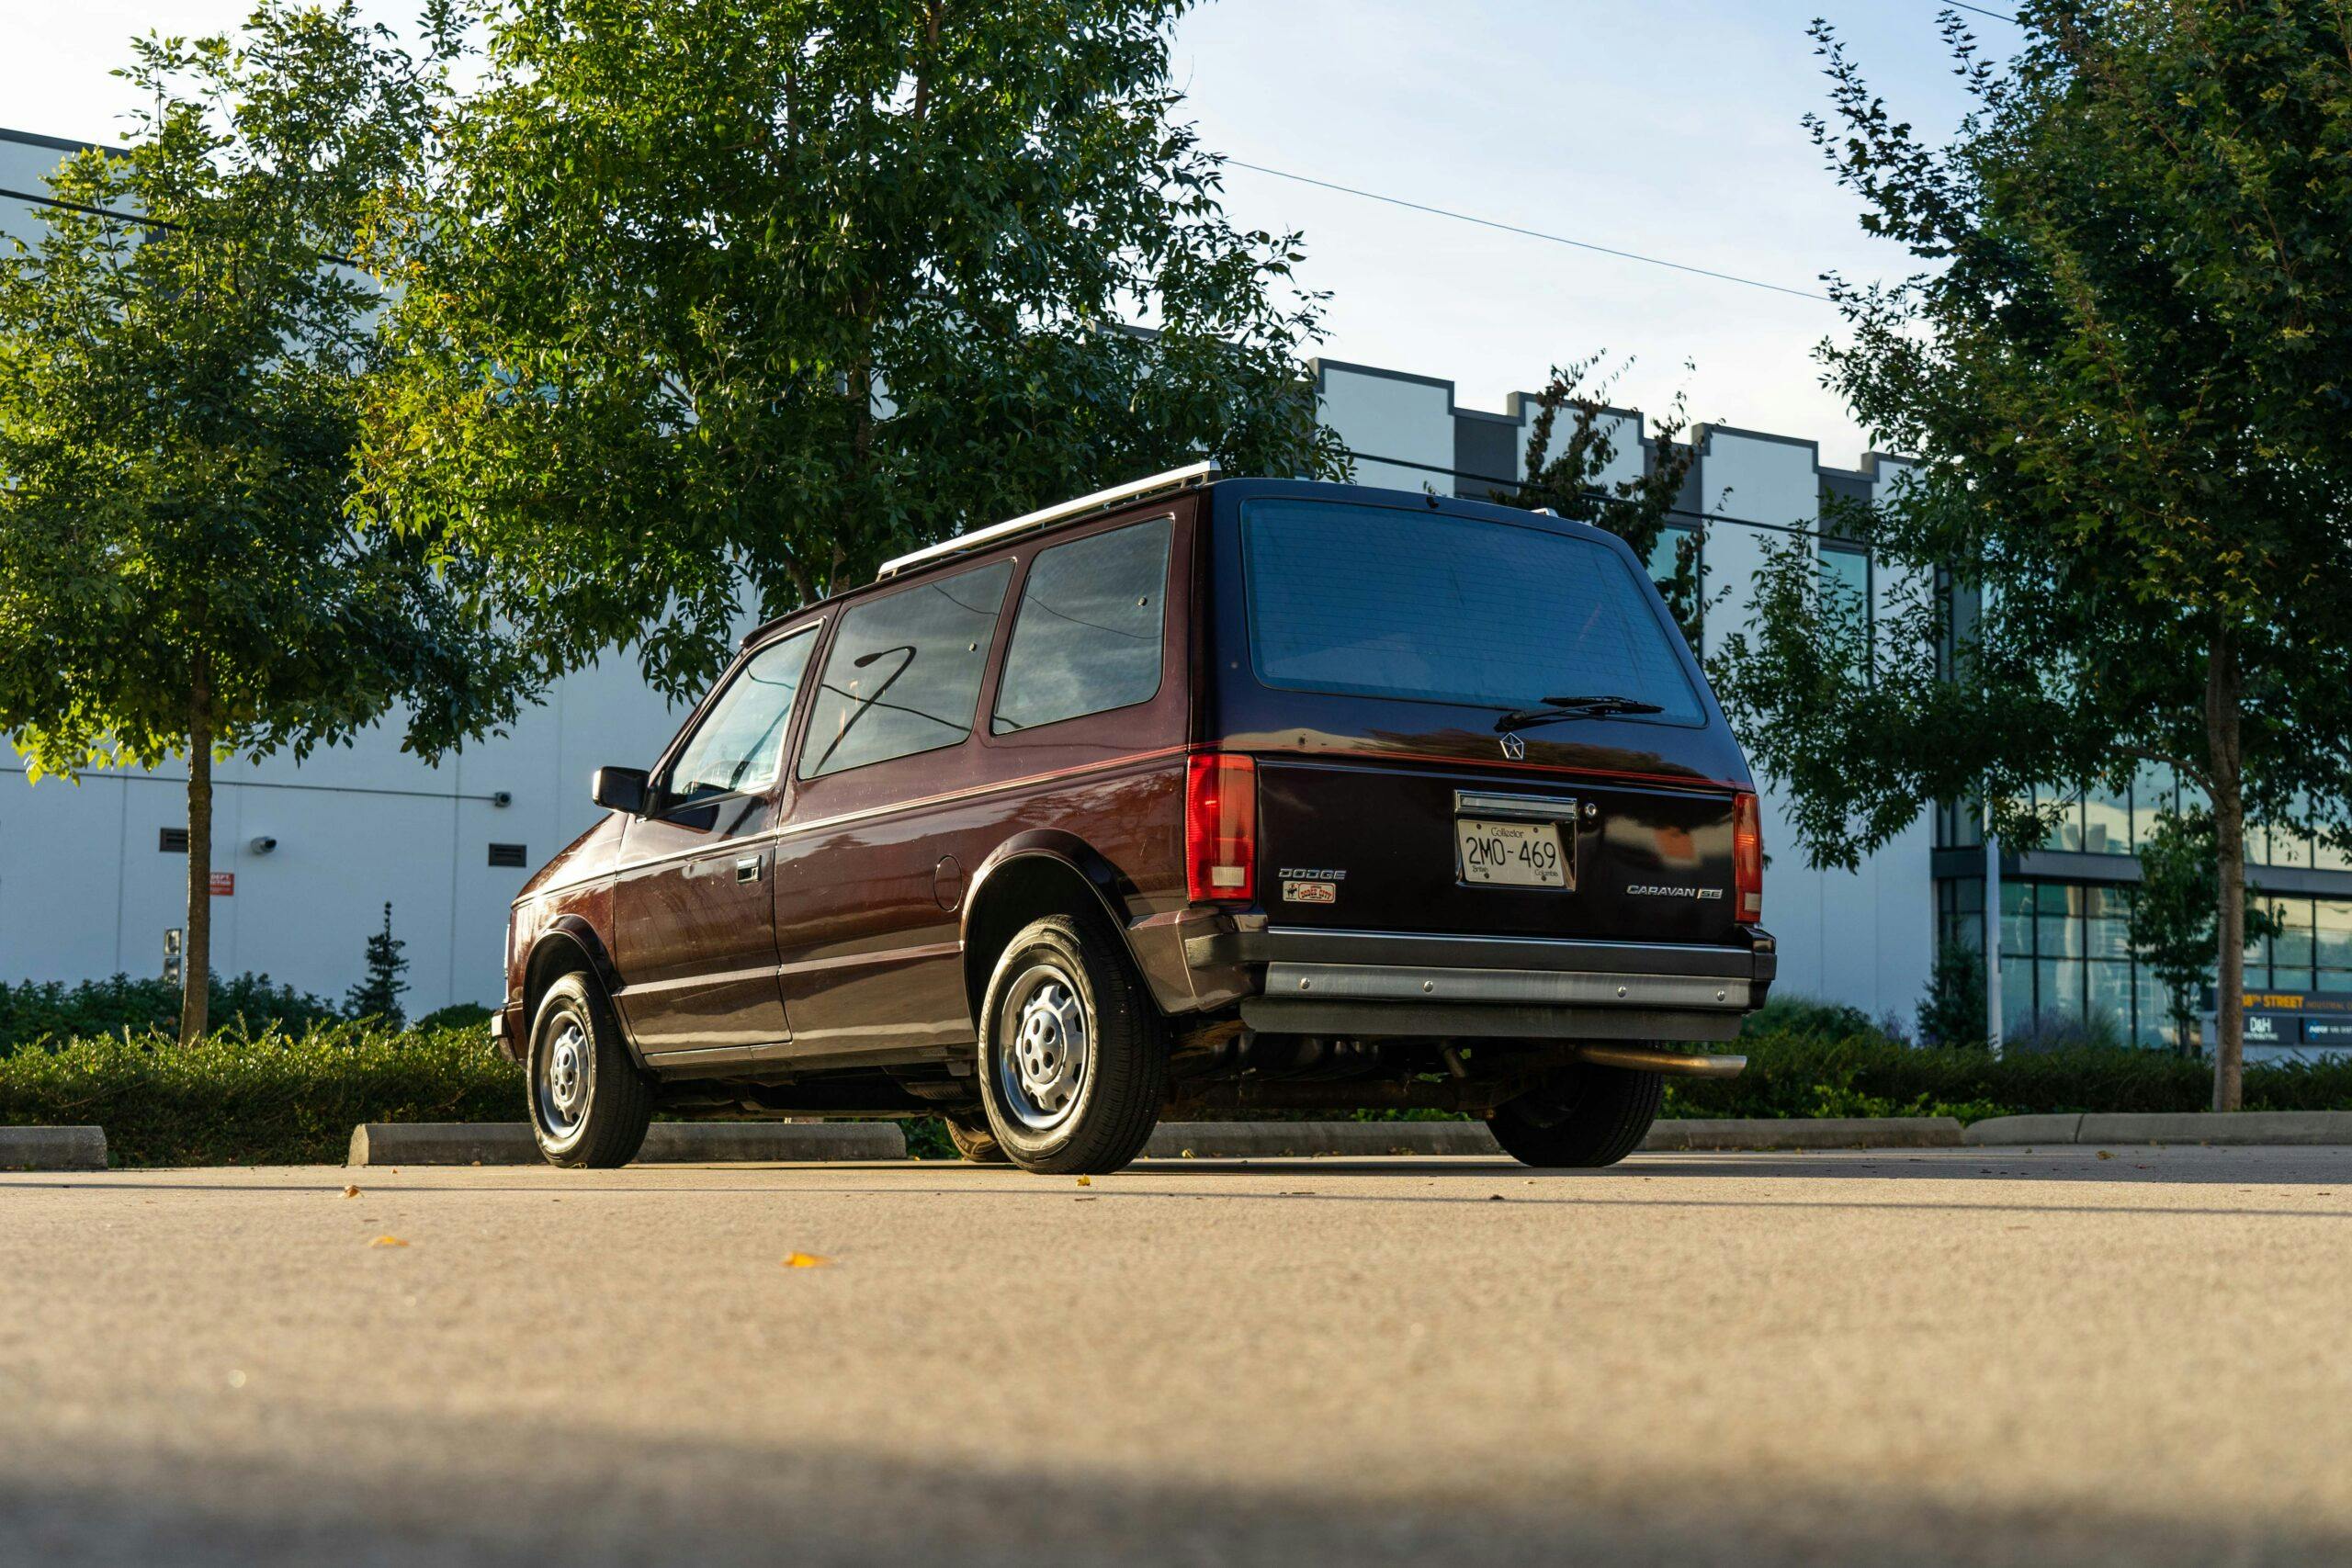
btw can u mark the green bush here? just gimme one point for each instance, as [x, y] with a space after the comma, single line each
[37, 1010]
[271, 1098]
[1866, 1074]
[1806, 1018]
[457, 1015]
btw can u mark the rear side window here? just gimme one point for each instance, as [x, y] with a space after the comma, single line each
[739, 746]
[904, 673]
[1378, 602]
[1087, 636]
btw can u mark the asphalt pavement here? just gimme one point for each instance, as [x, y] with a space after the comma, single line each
[2130, 1356]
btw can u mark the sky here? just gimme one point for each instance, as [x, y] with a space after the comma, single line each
[1667, 127]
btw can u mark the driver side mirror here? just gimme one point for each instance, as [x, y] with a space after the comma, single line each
[621, 789]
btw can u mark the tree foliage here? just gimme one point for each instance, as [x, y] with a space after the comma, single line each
[1584, 481]
[2173, 929]
[2123, 364]
[1956, 1010]
[717, 299]
[178, 408]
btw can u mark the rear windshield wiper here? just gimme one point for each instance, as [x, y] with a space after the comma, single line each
[1557, 709]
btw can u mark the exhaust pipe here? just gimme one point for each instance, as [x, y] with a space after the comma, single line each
[1676, 1064]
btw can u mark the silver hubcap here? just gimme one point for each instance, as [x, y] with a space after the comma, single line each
[563, 1079]
[1048, 1052]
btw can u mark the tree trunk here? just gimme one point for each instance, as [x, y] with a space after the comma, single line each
[2224, 690]
[195, 953]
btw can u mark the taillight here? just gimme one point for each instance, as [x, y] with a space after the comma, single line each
[1747, 858]
[1221, 828]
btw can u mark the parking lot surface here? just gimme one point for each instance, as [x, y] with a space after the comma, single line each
[2075, 1356]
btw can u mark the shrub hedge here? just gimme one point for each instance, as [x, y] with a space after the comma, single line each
[36, 1010]
[1795, 1073]
[281, 1097]
[270, 1098]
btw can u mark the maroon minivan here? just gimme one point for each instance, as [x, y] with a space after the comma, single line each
[1195, 797]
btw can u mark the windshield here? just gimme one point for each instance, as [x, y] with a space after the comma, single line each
[1380, 602]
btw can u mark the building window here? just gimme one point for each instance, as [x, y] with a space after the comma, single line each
[1846, 579]
[2066, 959]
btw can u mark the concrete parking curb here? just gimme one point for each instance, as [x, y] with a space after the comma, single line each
[1810, 1133]
[1278, 1139]
[2238, 1128]
[666, 1143]
[2011, 1131]
[52, 1148]
[1281, 1140]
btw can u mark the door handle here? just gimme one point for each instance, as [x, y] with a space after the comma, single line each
[748, 869]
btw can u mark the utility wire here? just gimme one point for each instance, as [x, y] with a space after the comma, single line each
[1996, 15]
[163, 225]
[1532, 234]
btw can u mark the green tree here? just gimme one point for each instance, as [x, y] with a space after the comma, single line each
[178, 408]
[1955, 1011]
[2123, 365]
[717, 300]
[2172, 927]
[378, 996]
[1581, 480]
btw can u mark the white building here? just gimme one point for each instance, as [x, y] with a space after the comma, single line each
[89, 883]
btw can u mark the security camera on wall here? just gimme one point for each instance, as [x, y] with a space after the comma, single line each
[263, 844]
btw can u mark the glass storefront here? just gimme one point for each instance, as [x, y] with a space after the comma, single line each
[2066, 953]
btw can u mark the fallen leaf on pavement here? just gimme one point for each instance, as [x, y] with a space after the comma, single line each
[351, 1191]
[805, 1260]
[1086, 1181]
[2105, 1155]
[388, 1241]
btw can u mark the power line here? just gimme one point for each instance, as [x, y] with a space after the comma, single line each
[1532, 234]
[1996, 15]
[162, 225]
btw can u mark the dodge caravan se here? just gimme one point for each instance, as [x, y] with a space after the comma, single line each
[1197, 797]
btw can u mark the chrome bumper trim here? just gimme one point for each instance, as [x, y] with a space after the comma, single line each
[1364, 982]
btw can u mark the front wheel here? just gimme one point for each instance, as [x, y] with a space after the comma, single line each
[590, 1106]
[1586, 1116]
[1073, 1059]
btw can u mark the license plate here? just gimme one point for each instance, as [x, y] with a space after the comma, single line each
[1511, 854]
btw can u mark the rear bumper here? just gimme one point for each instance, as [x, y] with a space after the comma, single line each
[1380, 983]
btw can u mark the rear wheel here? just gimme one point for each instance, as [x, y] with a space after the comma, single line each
[1073, 1057]
[1586, 1116]
[590, 1106]
[973, 1140]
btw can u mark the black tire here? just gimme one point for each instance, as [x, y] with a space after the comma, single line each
[600, 1121]
[1587, 1116]
[973, 1140]
[1069, 1111]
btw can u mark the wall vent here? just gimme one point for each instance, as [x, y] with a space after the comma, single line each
[509, 855]
[173, 841]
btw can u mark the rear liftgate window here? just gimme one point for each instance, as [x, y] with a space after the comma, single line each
[904, 673]
[1379, 602]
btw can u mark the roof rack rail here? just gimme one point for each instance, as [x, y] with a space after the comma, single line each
[1202, 472]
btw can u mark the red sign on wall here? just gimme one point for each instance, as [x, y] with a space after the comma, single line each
[224, 884]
